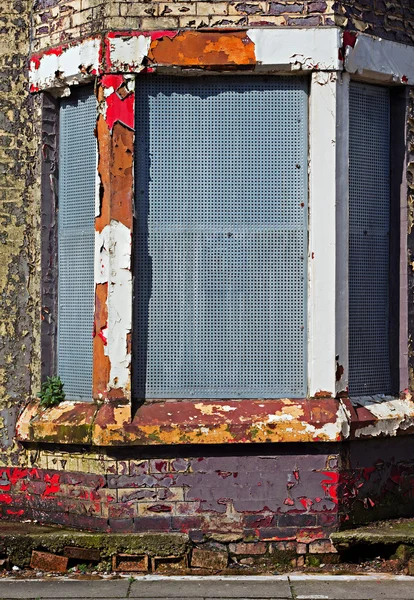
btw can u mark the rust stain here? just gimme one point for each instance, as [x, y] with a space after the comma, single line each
[339, 371]
[323, 394]
[122, 174]
[204, 49]
[101, 364]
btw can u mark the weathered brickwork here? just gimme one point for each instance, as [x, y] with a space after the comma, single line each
[289, 502]
[264, 497]
[56, 21]
[19, 225]
[391, 20]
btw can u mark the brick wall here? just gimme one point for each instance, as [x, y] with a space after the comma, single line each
[57, 21]
[392, 20]
[287, 497]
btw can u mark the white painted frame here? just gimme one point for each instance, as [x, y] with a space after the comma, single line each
[322, 234]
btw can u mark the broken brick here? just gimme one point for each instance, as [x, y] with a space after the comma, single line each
[130, 562]
[321, 547]
[44, 561]
[209, 559]
[249, 548]
[163, 564]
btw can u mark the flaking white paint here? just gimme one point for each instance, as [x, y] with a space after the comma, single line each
[391, 416]
[381, 59]
[113, 266]
[72, 66]
[128, 53]
[298, 49]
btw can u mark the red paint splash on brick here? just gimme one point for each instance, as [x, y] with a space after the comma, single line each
[6, 498]
[330, 485]
[52, 484]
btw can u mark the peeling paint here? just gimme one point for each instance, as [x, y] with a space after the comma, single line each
[128, 53]
[390, 416]
[113, 263]
[303, 49]
[65, 65]
[381, 59]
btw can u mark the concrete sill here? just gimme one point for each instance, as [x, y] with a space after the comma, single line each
[217, 422]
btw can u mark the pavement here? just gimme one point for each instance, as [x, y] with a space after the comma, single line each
[152, 587]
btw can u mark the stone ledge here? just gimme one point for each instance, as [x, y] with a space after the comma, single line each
[18, 540]
[217, 422]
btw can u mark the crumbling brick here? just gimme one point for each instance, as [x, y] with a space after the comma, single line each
[248, 548]
[209, 559]
[130, 563]
[44, 561]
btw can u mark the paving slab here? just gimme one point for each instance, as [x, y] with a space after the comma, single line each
[276, 588]
[64, 589]
[379, 589]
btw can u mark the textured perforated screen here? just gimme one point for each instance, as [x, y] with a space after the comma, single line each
[221, 237]
[369, 222]
[76, 234]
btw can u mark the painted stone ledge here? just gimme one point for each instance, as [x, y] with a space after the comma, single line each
[218, 422]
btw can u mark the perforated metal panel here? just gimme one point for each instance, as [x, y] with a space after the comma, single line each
[369, 223]
[221, 237]
[76, 234]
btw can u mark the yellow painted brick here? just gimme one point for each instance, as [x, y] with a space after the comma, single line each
[192, 22]
[272, 20]
[177, 9]
[212, 8]
[143, 508]
[121, 22]
[135, 9]
[227, 21]
[71, 6]
[60, 24]
[236, 8]
[92, 3]
[80, 18]
[174, 494]
[151, 23]
[112, 9]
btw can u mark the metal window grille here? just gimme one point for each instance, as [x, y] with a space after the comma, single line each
[76, 235]
[369, 246]
[221, 237]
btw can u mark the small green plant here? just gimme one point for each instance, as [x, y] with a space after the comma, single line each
[51, 393]
[82, 568]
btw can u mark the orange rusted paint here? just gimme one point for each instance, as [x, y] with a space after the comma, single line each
[323, 394]
[209, 422]
[104, 161]
[203, 49]
[101, 366]
[121, 174]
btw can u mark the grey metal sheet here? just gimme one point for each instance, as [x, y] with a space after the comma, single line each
[221, 237]
[369, 227]
[76, 235]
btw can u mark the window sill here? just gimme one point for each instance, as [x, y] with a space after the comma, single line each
[217, 422]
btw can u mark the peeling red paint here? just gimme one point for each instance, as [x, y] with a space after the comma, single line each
[53, 485]
[6, 498]
[330, 484]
